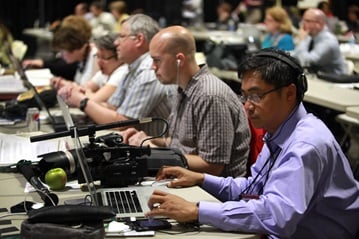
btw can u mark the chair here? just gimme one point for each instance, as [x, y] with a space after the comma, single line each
[350, 66]
[351, 131]
[256, 145]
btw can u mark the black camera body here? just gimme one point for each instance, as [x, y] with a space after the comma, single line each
[110, 161]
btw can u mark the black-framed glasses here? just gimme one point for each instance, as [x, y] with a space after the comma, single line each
[256, 98]
[105, 58]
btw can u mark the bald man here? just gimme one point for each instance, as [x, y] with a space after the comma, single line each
[318, 48]
[208, 122]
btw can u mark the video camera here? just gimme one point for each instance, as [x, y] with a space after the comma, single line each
[112, 162]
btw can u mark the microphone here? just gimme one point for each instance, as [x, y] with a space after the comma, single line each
[26, 169]
[91, 129]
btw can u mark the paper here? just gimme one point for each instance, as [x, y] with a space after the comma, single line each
[14, 148]
[11, 84]
[39, 77]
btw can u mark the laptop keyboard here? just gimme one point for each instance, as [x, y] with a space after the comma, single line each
[124, 201]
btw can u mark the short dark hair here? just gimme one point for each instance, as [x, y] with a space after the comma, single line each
[277, 68]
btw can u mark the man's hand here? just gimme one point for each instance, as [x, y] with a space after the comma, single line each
[127, 134]
[302, 34]
[172, 206]
[184, 177]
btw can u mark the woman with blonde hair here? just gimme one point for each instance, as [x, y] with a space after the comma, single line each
[279, 28]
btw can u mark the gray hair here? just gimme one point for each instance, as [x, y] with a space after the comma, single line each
[143, 24]
[107, 42]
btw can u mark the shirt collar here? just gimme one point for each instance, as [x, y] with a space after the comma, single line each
[285, 129]
[190, 87]
[134, 65]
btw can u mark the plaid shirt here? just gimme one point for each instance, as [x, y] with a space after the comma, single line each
[209, 120]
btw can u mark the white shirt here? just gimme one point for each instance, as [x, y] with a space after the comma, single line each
[90, 69]
[114, 79]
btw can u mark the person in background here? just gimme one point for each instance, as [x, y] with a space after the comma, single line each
[82, 9]
[6, 40]
[331, 20]
[279, 28]
[139, 94]
[224, 17]
[251, 10]
[208, 122]
[72, 40]
[119, 11]
[353, 19]
[301, 181]
[102, 22]
[75, 58]
[105, 81]
[318, 49]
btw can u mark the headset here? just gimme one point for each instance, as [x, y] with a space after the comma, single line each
[178, 62]
[301, 82]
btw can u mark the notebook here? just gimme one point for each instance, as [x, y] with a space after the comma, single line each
[126, 202]
[58, 122]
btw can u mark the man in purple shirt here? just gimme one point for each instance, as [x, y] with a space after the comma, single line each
[301, 184]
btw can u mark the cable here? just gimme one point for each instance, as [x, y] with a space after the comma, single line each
[165, 130]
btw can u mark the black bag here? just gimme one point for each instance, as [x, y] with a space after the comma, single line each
[224, 56]
[66, 222]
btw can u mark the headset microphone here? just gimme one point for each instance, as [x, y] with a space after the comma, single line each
[26, 169]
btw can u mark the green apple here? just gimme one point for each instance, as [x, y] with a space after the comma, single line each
[56, 178]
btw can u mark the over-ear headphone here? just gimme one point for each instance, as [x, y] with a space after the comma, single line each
[301, 82]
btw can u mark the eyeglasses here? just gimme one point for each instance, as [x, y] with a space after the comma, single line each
[105, 58]
[123, 37]
[256, 98]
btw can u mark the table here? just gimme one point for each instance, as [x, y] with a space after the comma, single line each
[12, 192]
[353, 112]
[330, 95]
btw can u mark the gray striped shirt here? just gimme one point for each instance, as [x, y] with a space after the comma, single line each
[140, 94]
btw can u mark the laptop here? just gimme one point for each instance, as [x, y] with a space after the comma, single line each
[126, 202]
[58, 122]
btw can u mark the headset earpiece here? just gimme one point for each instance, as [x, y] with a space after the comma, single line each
[301, 83]
[178, 62]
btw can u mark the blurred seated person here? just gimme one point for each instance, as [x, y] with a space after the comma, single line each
[76, 58]
[119, 11]
[331, 20]
[106, 80]
[224, 17]
[102, 22]
[279, 28]
[6, 40]
[83, 9]
[318, 49]
[208, 123]
[353, 19]
[249, 10]
[72, 40]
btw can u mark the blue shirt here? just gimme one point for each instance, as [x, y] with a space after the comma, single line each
[310, 191]
[281, 41]
[325, 55]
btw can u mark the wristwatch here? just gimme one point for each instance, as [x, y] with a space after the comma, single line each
[83, 103]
